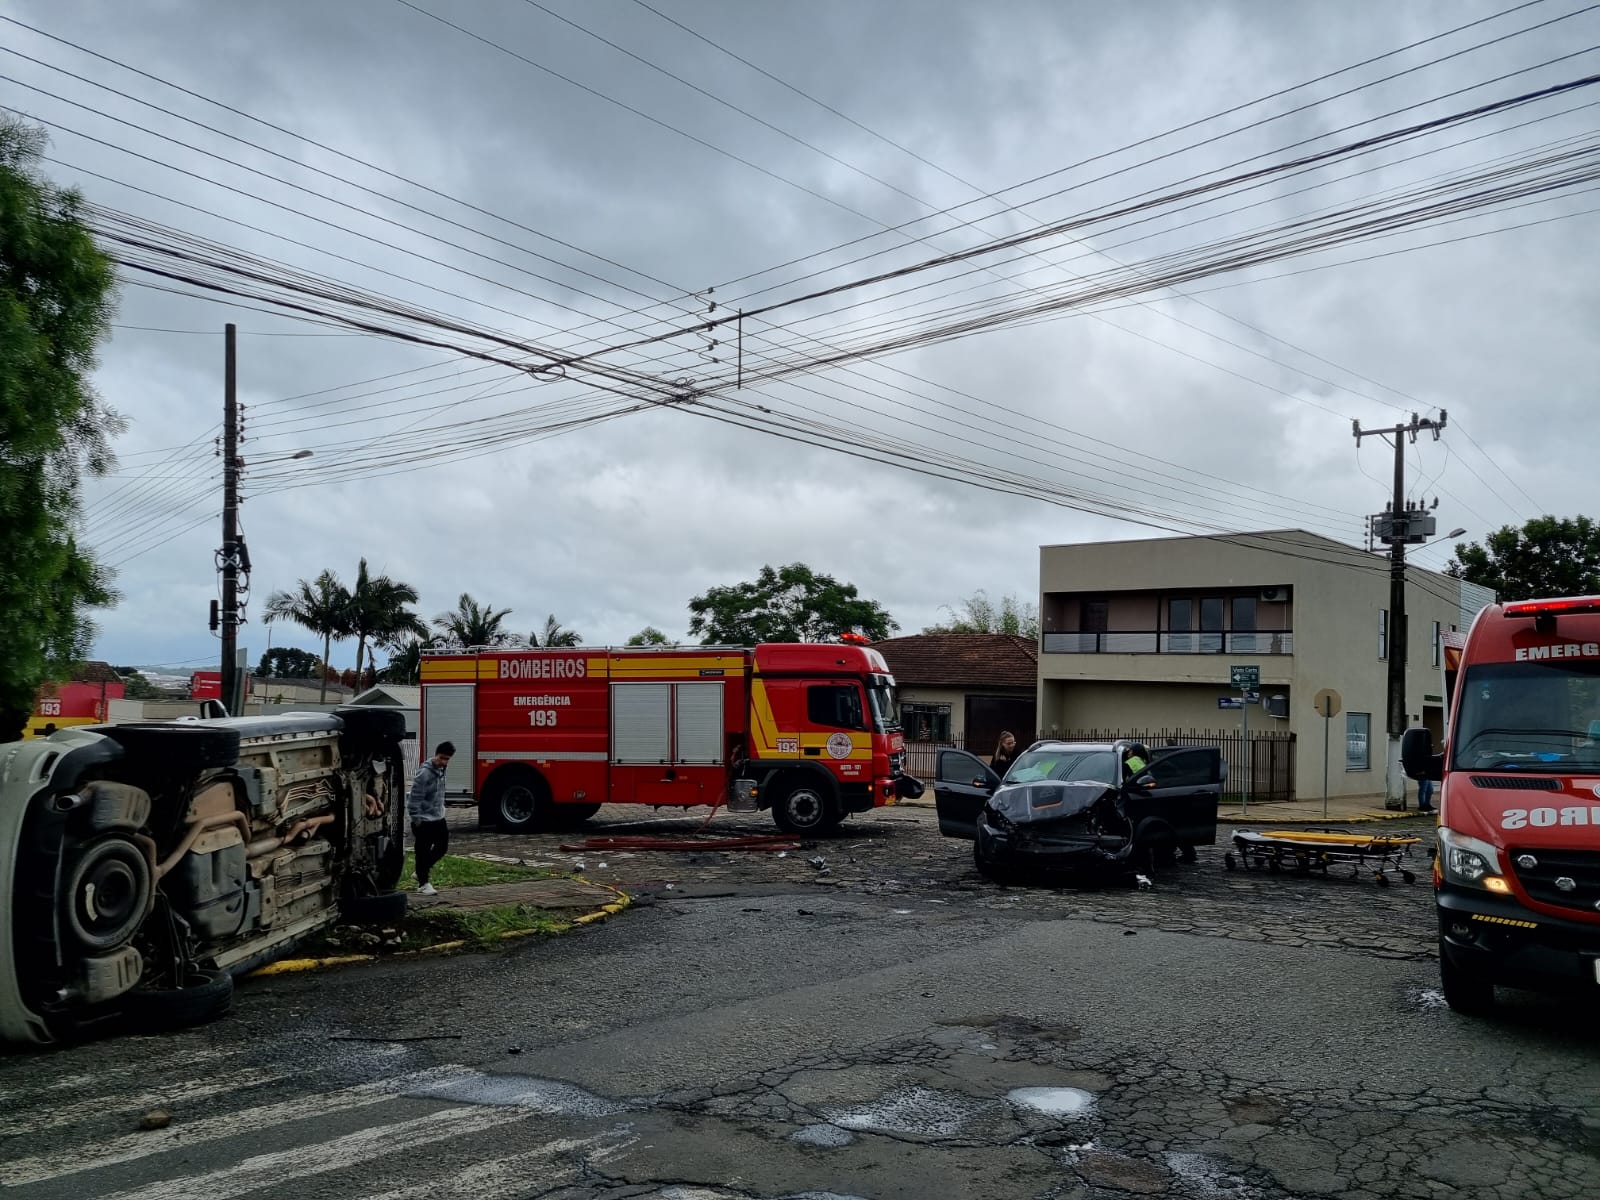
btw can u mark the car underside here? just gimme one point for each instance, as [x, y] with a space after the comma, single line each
[143, 866]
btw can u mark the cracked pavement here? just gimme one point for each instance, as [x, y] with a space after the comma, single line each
[895, 1028]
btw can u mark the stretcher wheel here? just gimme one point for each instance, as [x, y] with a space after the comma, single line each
[1230, 862]
[1409, 876]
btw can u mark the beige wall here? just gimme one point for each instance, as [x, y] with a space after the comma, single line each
[1338, 592]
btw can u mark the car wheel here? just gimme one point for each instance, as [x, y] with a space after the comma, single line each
[1468, 994]
[803, 809]
[204, 996]
[519, 801]
[386, 909]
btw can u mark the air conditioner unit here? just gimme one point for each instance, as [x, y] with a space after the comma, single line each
[1276, 705]
[1274, 595]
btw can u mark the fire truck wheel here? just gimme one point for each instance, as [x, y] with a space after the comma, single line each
[805, 808]
[570, 816]
[520, 801]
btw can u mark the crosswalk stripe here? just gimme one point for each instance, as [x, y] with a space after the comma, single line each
[31, 1120]
[501, 1177]
[283, 1166]
[186, 1134]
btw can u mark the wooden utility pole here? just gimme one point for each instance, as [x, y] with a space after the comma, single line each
[1400, 525]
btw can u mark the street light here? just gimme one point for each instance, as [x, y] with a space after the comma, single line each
[1451, 536]
[256, 462]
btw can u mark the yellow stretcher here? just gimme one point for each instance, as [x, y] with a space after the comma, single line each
[1302, 851]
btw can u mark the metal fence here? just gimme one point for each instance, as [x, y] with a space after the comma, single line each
[1267, 766]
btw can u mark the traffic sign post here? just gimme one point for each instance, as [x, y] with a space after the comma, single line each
[1245, 680]
[1328, 703]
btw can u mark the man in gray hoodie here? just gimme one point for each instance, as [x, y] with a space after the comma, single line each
[430, 832]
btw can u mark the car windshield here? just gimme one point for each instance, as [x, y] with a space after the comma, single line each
[1528, 716]
[1097, 766]
[885, 705]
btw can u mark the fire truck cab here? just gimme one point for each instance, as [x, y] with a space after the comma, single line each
[1517, 876]
[544, 737]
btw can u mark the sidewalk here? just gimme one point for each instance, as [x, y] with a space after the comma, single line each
[1342, 810]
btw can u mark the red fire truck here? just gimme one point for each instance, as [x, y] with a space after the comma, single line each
[544, 737]
[1517, 876]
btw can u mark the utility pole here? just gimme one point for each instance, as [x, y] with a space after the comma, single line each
[228, 558]
[1401, 525]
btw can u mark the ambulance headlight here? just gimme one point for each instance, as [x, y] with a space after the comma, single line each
[1466, 860]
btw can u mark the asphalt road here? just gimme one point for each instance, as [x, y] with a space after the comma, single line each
[895, 1027]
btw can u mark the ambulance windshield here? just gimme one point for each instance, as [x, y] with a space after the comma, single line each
[1541, 717]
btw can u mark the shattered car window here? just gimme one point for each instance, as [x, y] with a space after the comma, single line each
[1098, 766]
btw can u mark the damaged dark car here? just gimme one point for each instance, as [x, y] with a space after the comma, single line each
[1080, 809]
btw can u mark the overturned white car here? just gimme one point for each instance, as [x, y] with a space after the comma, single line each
[143, 866]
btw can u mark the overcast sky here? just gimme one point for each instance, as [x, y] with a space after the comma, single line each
[591, 224]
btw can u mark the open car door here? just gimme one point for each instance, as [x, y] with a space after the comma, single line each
[1185, 788]
[962, 785]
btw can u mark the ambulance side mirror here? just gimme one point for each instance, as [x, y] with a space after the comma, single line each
[1417, 758]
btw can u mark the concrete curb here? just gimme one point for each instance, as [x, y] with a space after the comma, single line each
[293, 966]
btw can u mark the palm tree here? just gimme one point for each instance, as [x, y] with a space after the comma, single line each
[322, 606]
[405, 659]
[378, 612]
[554, 635]
[473, 624]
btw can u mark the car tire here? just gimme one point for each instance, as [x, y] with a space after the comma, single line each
[384, 726]
[181, 749]
[804, 808]
[520, 801]
[205, 996]
[388, 908]
[1465, 993]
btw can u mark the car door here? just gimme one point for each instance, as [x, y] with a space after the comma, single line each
[962, 784]
[1187, 785]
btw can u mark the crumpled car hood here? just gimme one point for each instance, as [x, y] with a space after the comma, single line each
[1047, 802]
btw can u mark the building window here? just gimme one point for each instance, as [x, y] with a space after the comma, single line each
[1438, 643]
[1212, 609]
[1244, 614]
[1357, 741]
[1383, 633]
[926, 722]
[1180, 615]
[1093, 616]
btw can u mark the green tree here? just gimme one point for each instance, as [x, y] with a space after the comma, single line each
[322, 606]
[56, 297]
[554, 635]
[474, 624]
[979, 614]
[288, 662]
[1548, 556]
[378, 611]
[648, 636]
[135, 686]
[788, 604]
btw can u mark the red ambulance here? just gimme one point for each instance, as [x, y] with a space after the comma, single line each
[1517, 876]
[544, 737]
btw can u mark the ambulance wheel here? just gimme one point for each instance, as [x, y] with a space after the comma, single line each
[1470, 995]
[805, 808]
[519, 800]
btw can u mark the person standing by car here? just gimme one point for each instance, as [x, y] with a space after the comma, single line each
[1136, 759]
[1005, 753]
[430, 832]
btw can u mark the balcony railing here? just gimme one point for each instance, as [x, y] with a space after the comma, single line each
[1275, 641]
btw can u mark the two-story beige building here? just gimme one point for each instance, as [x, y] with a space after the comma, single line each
[1139, 636]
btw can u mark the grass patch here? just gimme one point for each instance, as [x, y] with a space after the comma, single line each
[456, 871]
[479, 930]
